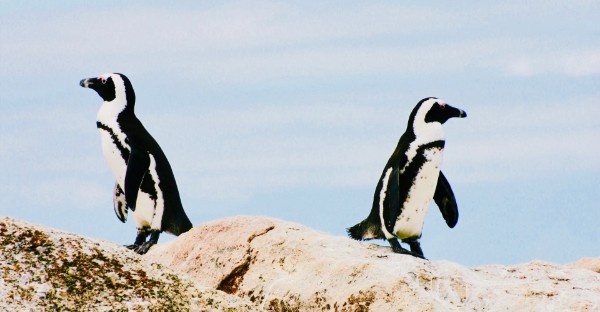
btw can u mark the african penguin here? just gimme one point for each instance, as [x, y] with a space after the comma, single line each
[410, 180]
[144, 180]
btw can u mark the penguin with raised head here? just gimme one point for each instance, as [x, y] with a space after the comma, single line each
[144, 180]
[410, 180]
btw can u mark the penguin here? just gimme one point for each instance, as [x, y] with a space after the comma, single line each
[145, 183]
[410, 179]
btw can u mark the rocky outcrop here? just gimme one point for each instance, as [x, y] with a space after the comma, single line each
[258, 264]
[283, 266]
[588, 263]
[48, 270]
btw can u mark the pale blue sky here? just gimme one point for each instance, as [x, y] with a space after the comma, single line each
[291, 110]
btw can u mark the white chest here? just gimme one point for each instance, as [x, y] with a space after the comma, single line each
[113, 140]
[113, 156]
[410, 221]
[146, 213]
[113, 144]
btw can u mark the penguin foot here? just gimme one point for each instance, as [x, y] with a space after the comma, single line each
[132, 246]
[408, 252]
[143, 248]
[415, 248]
[419, 256]
[398, 249]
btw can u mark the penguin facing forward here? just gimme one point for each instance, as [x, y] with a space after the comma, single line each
[144, 180]
[410, 180]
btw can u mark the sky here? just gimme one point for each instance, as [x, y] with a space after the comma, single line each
[291, 110]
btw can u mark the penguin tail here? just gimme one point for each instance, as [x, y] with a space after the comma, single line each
[355, 232]
[365, 230]
[177, 225]
[183, 227]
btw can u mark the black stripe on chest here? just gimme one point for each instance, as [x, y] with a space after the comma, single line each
[415, 164]
[406, 180]
[147, 182]
[124, 151]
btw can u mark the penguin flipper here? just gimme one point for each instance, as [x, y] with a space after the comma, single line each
[137, 166]
[391, 203]
[444, 199]
[120, 204]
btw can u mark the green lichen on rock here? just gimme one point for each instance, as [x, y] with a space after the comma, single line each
[52, 270]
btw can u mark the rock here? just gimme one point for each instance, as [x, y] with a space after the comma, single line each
[48, 270]
[258, 264]
[588, 263]
[283, 266]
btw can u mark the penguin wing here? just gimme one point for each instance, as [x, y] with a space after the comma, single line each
[119, 203]
[137, 166]
[444, 199]
[391, 203]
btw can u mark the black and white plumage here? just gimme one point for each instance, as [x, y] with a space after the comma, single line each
[410, 180]
[144, 180]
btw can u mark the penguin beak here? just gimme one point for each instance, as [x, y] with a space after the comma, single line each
[441, 113]
[88, 83]
[454, 112]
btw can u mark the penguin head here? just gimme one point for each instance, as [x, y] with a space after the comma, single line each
[440, 111]
[111, 86]
[430, 113]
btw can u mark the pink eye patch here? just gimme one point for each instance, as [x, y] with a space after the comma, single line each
[104, 78]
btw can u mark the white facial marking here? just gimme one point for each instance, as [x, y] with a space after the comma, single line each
[109, 111]
[425, 132]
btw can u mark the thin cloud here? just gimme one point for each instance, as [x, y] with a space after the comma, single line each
[278, 147]
[577, 63]
[249, 43]
[541, 140]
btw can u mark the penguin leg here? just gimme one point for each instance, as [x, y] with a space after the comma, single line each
[415, 248]
[397, 248]
[413, 252]
[144, 247]
[140, 239]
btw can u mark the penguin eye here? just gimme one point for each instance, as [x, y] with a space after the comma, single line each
[103, 80]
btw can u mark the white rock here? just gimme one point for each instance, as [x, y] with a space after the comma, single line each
[280, 265]
[269, 264]
[588, 263]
